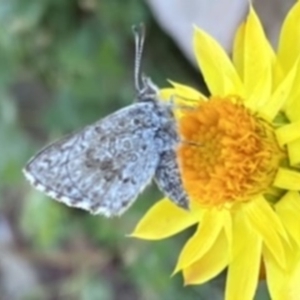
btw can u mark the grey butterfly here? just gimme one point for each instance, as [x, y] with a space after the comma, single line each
[104, 167]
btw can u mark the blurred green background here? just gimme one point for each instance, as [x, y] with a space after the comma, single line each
[65, 64]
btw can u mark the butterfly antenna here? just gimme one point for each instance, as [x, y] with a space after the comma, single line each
[139, 32]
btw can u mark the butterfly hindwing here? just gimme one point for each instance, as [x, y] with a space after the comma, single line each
[168, 179]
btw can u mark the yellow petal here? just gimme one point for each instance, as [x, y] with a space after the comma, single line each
[162, 220]
[257, 62]
[210, 265]
[268, 226]
[292, 109]
[239, 50]
[283, 283]
[187, 93]
[280, 96]
[228, 226]
[288, 133]
[182, 96]
[287, 179]
[219, 73]
[208, 231]
[292, 106]
[294, 153]
[288, 210]
[244, 266]
[289, 41]
[167, 93]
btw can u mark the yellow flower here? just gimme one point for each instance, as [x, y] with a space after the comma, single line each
[241, 170]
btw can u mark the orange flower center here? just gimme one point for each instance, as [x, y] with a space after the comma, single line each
[228, 154]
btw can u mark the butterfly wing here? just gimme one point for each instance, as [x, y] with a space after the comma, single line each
[168, 179]
[103, 167]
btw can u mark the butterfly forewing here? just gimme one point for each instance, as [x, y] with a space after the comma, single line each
[105, 166]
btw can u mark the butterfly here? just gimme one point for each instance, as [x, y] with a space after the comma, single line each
[104, 167]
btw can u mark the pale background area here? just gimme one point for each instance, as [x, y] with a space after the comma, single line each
[219, 18]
